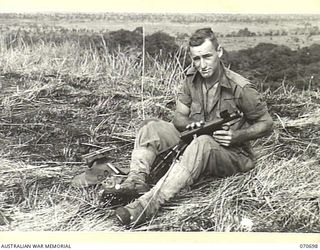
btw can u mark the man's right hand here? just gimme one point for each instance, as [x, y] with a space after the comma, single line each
[194, 125]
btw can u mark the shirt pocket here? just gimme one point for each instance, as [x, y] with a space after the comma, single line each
[195, 111]
[229, 105]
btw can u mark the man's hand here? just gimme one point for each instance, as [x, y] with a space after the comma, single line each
[261, 127]
[225, 137]
[194, 125]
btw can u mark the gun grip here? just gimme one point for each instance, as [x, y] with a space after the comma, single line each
[224, 114]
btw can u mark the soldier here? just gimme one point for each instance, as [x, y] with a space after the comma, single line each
[209, 89]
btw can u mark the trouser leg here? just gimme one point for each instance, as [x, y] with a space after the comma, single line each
[152, 138]
[207, 157]
[202, 156]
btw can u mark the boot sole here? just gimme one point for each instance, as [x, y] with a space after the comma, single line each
[123, 216]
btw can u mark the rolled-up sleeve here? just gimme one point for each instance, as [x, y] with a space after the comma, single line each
[184, 95]
[251, 103]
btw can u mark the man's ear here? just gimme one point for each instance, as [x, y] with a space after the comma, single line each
[220, 51]
[192, 62]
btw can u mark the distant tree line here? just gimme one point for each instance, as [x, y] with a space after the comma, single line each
[308, 31]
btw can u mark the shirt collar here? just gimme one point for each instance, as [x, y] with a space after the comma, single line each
[223, 80]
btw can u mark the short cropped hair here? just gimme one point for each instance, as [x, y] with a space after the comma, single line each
[200, 35]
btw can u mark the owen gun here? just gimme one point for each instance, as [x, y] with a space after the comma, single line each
[208, 128]
[169, 155]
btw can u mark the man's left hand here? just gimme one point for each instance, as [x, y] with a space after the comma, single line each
[225, 138]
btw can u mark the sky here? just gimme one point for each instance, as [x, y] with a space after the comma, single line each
[164, 6]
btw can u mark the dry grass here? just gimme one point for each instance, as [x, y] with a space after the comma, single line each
[278, 196]
[58, 103]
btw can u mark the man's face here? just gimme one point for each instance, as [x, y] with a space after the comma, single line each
[205, 58]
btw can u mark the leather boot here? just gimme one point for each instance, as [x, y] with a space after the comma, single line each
[148, 204]
[132, 214]
[135, 184]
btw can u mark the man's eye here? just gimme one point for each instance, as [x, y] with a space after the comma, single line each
[196, 59]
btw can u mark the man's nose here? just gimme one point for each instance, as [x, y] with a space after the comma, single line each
[202, 63]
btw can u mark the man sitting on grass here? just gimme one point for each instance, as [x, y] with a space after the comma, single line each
[209, 89]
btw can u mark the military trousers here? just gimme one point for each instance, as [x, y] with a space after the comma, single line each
[204, 157]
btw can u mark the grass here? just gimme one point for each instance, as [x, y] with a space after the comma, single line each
[59, 102]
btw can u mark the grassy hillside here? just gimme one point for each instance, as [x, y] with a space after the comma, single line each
[61, 101]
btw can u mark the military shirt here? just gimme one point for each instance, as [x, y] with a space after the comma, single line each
[233, 93]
